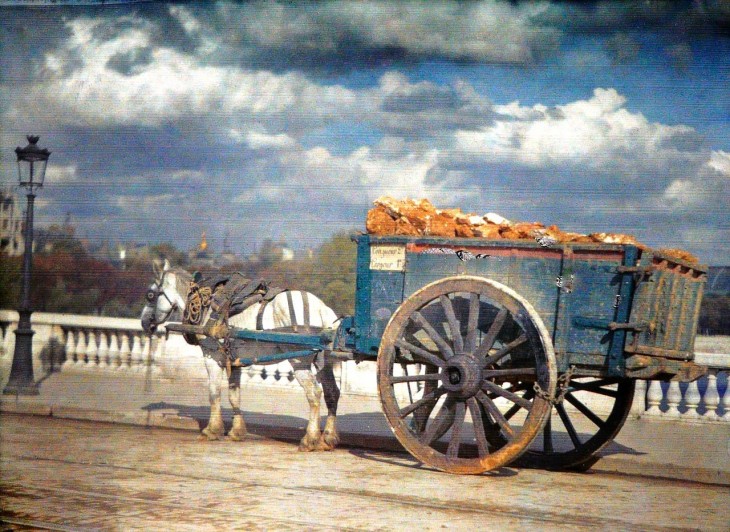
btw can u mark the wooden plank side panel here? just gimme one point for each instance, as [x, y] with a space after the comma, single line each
[595, 287]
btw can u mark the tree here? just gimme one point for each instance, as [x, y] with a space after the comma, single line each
[334, 273]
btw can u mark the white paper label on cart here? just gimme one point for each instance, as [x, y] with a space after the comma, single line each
[388, 257]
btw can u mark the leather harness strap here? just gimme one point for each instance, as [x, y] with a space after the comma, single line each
[305, 304]
[292, 313]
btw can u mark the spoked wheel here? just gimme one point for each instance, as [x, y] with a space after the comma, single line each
[455, 361]
[590, 416]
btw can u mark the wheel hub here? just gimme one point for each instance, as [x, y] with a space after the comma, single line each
[462, 377]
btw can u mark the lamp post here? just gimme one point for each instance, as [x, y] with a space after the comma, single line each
[32, 162]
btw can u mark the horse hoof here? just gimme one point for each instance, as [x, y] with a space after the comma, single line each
[235, 436]
[329, 441]
[210, 435]
[308, 444]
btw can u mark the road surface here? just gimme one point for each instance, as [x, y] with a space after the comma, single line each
[70, 475]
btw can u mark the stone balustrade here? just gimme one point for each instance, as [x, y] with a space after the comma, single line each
[72, 343]
[704, 400]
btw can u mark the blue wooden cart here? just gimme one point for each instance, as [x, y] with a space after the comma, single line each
[493, 350]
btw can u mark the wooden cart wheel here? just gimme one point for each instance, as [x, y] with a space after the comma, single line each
[577, 430]
[454, 360]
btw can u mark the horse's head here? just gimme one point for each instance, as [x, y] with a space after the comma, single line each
[165, 298]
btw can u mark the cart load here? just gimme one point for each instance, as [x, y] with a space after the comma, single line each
[420, 218]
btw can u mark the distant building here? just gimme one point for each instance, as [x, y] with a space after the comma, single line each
[287, 254]
[11, 224]
[201, 255]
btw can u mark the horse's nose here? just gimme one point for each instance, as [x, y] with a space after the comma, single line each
[148, 326]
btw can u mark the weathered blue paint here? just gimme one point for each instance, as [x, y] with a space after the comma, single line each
[616, 360]
[274, 357]
[362, 295]
[314, 340]
[593, 293]
[668, 299]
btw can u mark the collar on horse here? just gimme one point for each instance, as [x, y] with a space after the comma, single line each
[225, 296]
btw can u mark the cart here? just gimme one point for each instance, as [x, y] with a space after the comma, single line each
[490, 351]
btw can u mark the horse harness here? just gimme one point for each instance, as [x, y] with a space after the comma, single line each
[227, 296]
[154, 293]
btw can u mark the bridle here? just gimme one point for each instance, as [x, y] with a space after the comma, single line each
[154, 294]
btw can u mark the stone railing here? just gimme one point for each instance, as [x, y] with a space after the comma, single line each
[72, 343]
[66, 342]
[705, 400]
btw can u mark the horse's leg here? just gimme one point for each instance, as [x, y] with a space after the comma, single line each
[238, 431]
[310, 441]
[330, 438]
[215, 429]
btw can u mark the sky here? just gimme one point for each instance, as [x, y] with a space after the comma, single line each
[285, 120]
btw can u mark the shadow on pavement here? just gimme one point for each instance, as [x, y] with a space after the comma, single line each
[356, 430]
[408, 461]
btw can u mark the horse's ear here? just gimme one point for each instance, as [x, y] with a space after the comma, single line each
[156, 267]
[166, 266]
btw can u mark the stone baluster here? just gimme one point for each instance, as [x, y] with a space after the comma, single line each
[674, 397]
[160, 352]
[692, 399]
[80, 361]
[91, 351]
[638, 406]
[124, 351]
[70, 350]
[280, 370]
[712, 397]
[256, 375]
[136, 355]
[150, 344]
[653, 398]
[247, 375]
[114, 358]
[103, 351]
[726, 399]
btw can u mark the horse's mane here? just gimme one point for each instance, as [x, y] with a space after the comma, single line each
[182, 281]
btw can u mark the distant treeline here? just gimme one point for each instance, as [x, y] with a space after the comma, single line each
[69, 279]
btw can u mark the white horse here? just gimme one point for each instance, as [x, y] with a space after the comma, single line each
[166, 298]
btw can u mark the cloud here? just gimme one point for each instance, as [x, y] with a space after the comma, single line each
[597, 134]
[424, 108]
[364, 31]
[56, 174]
[109, 74]
[346, 35]
[707, 191]
[262, 141]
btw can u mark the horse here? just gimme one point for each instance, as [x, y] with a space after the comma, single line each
[166, 299]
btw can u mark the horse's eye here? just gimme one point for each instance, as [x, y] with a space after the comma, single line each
[151, 295]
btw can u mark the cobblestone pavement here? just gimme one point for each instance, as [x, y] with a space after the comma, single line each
[73, 475]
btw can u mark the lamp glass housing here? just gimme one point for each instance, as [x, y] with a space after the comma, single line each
[32, 162]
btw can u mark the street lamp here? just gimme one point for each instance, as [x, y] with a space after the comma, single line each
[32, 162]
